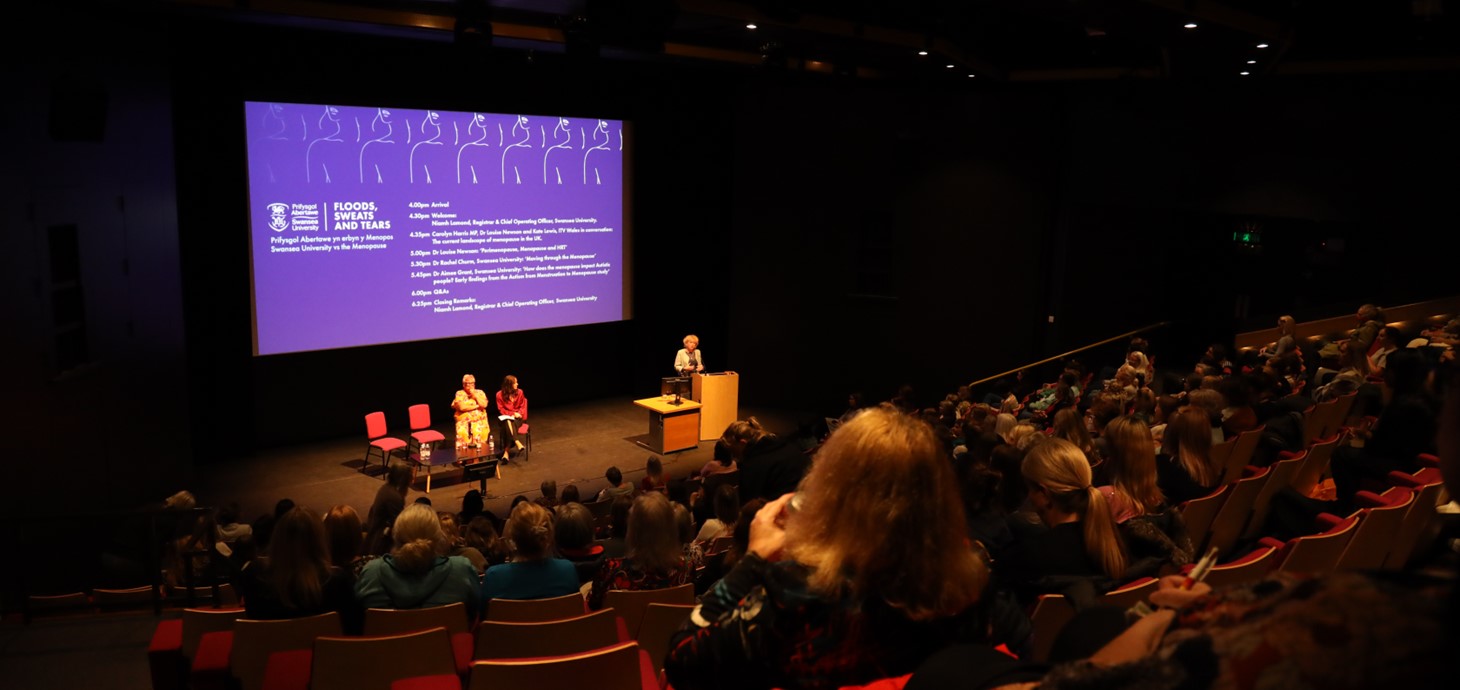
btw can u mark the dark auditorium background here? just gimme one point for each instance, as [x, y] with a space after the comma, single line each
[820, 231]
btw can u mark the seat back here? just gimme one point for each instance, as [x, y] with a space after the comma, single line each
[514, 640]
[397, 621]
[122, 598]
[1053, 611]
[1198, 514]
[1429, 491]
[420, 417]
[199, 622]
[660, 622]
[720, 544]
[715, 481]
[1316, 464]
[254, 641]
[1344, 405]
[1279, 475]
[536, 610]
[375, 425]
[1236, 511]
[1319, 553]
[631, 604]
[609, 668]
[1242, 450]
[1375, 535]
[372, 663]
[1249, 568]
[1316, 420]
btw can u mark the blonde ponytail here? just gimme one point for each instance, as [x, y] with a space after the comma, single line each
[1102, 539]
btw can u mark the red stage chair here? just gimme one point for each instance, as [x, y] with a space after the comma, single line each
[375, 431]
[421, 431]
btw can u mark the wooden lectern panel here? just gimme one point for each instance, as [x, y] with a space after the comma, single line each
[719, 396]
[672, 427]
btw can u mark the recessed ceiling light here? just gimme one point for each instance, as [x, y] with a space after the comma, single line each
[1244, 73]
[1190, 25]
[1261, 45]
[752, 27]
[1251, 62]
[972, 76]
[949, 66]
[922, 52]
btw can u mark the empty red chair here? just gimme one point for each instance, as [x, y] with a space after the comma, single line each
[421, 431]
[375, 431]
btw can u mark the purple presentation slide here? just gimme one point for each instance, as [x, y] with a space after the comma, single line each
[379, 225]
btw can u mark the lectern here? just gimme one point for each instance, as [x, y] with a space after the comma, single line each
[719, 399]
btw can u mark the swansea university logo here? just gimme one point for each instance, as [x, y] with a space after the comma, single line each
[278, 217]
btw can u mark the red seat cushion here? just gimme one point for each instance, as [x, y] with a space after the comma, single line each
[522, 428]
[462, 645]
[164, 656]
[427, 436]
[289, 670]
[388, 444]
[211, 663]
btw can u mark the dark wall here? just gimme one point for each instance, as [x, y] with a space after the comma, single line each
[890, 234]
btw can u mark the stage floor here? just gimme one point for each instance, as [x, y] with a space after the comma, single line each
[571, 444]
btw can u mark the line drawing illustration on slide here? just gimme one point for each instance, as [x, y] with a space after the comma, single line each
[563, 139]
[331, 114]
[433, 120]
[274, 127]
[523, 142]
[382, 121]
[478, 122]
[601, 129]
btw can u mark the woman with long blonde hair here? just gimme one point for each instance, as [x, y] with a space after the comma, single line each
[417, 573]
[1130, 466]
[863, 575]
[1081, 539]
[1186, 470]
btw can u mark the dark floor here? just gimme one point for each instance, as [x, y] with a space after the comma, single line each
[570, 445]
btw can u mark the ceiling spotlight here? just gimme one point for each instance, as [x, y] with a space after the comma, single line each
[949, 66]
[1244, 73]
[752, 27]
[1190, 25]
[1251, 62]
[922, 52]
[1261, 45]
[971, 76]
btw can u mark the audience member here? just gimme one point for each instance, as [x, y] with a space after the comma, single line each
[297, 579]
[570, 494]
[390, 500]
[727, 510]
[229, 529]
[344, 539]
[481, 534]
[534, 572]
[1184, 470]
[457, 545]
[818, 601]
[574, 534]
[653, 475]
[549, 497]
[720, 461]
[769, 465]
[616, 485]
[417, 573]
[1130, 470]
[655, 558]
[615, 545]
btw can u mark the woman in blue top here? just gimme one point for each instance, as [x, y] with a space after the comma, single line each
[417, 573]
[534, 571]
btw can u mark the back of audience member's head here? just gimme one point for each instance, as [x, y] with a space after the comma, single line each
[283, 506]
[1236, 390]
[418, 539]
[399, 476]
[1004, 424]
[1006, 460]
[519, 499]
[684, 523]
[531, 530]
[574, 526]
[727, 504]
[570, 494]
[1188, 439]
[1059, 470]
[1023, 435]
[618, 516]
[741, 534]
[549, 489]
[654, 469]
[981, 447]
[1131, 463]
[654, 534]
[1209, 400]
[481, 535]
[677, 490]
[742, 433]
[472, 505]
[449, 527]
[228, 513]
[299, 560]
[888, 475]
[614, 476]
[1104, 408]
[1405, 372]
[722, 454]
[1069, 425]
[423, 500]
[342, 529]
